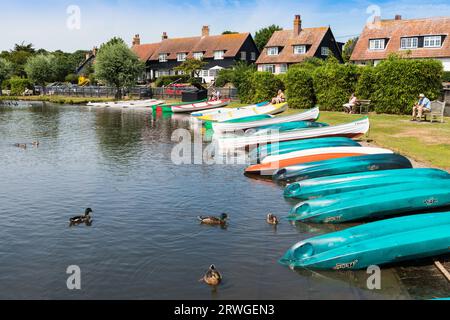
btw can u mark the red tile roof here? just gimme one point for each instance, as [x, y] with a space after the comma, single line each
[394, 30]
[230, 43]
[286, 39]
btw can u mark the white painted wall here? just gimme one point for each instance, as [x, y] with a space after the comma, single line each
[446, 63]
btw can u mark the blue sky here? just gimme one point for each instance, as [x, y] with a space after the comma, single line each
[43, 23]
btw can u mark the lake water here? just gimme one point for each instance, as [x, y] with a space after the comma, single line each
[145, 241]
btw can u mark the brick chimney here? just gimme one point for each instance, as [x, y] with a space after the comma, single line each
[297, 25]
[398, 17]
[136, 40]
[164, 36]
[205, 31]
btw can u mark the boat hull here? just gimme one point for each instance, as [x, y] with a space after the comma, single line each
[317, 188]
[375, 203]
[335, 167]
[245, 112]
[379, 243]
[208, 105]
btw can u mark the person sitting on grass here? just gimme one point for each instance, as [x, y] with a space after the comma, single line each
[423, 106]
[280, 98]
[352, 103]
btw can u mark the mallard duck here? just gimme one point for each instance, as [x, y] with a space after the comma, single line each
[222, 220]
[21, 145]
[272, 219]
[86, 218]
[212, 277]
[36, 144]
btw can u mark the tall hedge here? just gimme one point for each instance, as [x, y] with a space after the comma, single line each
[334, 83]
[399, 82]
[18, 85]
[300, 88]
[265, 86]
[366, 83]
[243, 81]
[446, 76]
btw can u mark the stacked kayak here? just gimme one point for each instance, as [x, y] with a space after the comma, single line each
[269, 165]
[378, 243]
[321, 187]
[340, 166]
[231, 114]
[375, 203]
[289, 146]
[350, 130]
[270, 123]
[207, 105]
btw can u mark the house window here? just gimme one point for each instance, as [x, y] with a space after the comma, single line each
[269, 68]
[272, 51]
[243, 55]
[377, 44]
[299, 49]
[205, 73]
[432, 42]
[218, 55]
[163, 57]
[325, 51]
[283, 68]
[198, 55]
[213, 73]
[409, 43]
[253, 56]
[181, 57]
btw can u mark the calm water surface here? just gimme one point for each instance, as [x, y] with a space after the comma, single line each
[145, 242]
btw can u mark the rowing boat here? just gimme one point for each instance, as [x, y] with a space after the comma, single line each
[375, 203]
[378, 243]
[119, 103]
[232, 114]
[225, 110]
[168, 107]
[271, 164]
[349, 130]
[207, 105]
[288, 126]
[335, 167]
[321, 187]
[227, 126]
[297, 145]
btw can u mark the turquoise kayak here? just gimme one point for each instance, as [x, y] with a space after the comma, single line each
[287, 126]
[374, 203]
[378, 243]
[340, 166]
[298, 145]
[316, 188]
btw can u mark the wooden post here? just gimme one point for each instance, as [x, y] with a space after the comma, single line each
[442, 269]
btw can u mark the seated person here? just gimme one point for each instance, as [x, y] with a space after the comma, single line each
[215, 96]
[423, 106]
[352, 103]
[280, 98]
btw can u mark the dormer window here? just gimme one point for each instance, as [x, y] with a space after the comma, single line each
[181, 57]
[377, 44]
[409, 43]
[163, 57]
[300, 49]
[272, 51]
[198, 55]
[432, 42]
[218, 55]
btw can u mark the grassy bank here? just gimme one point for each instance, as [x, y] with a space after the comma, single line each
[56, 99]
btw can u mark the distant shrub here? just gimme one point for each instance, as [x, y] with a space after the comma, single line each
[72, 78]
[166, 80]
[399, 82]
[300, 88]
[18, 85]
[224, 76]
[446, 76]
[366, 83]
[334, 83]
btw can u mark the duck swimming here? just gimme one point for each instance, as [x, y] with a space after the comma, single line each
[212, 277]
[36, 144]
[86, 218]
[221, 221]
[272, 219]
[21, 145]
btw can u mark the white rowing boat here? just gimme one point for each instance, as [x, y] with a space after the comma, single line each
[233, 114]
[121, 103]
[207, 105]
[197, 114]
[329, 150]
[310, 115]
[350, 130]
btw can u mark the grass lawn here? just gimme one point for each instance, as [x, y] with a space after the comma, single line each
[423, 142]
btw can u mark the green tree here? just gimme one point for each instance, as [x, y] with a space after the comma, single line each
[348, 48]
[192, 67]
[5, 71]
[229, 32]
[41, 69]
[117, 65]
[263, 36]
